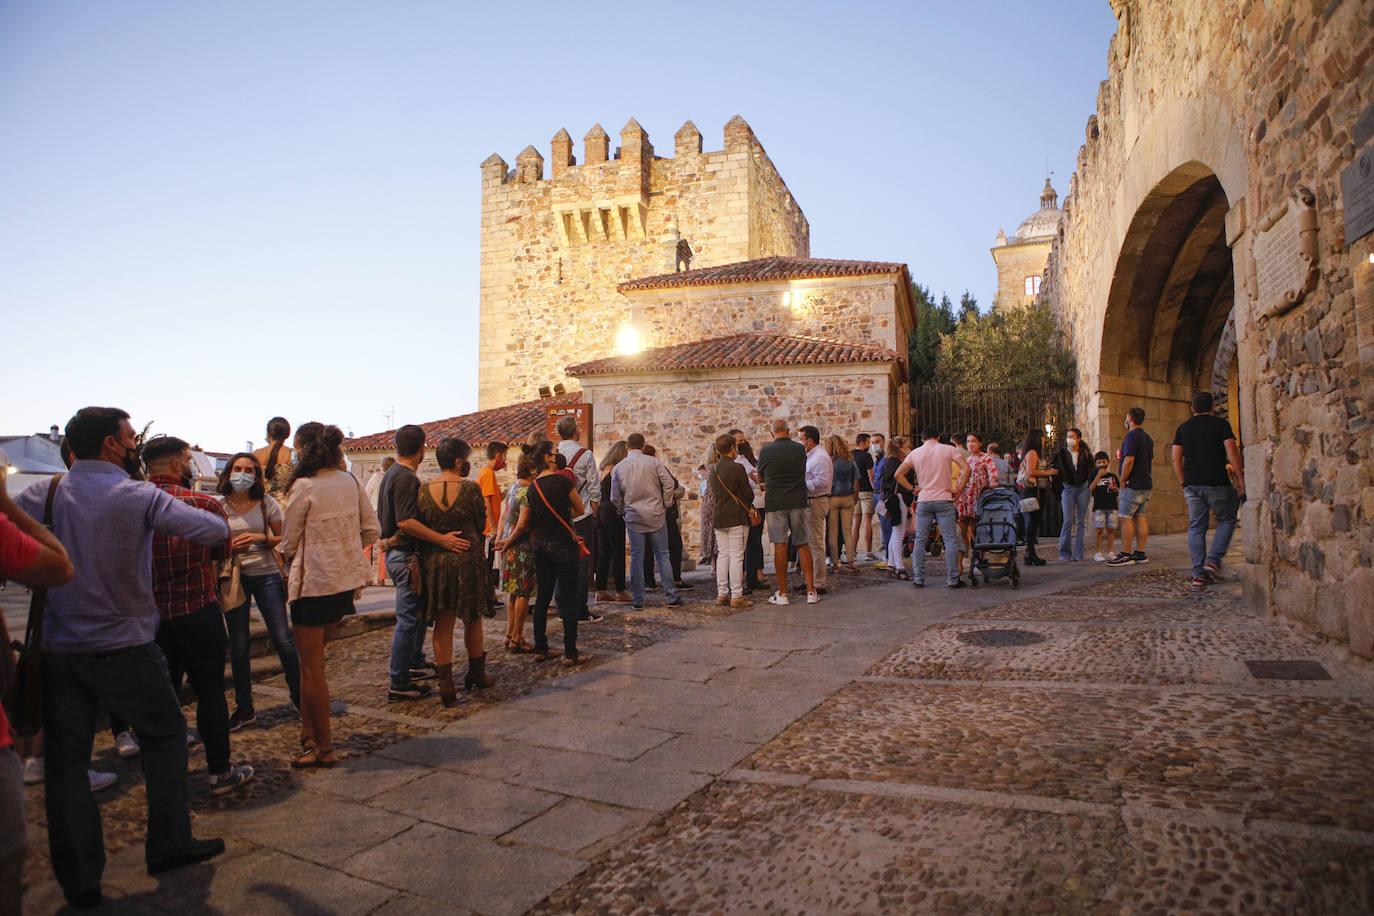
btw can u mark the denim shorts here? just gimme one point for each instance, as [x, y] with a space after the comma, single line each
[1105, 518]
[789, 524]
[1133, 502]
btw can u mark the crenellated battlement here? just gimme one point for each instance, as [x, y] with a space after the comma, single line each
[629, 162]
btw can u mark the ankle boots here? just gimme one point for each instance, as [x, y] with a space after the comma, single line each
[448, 694]
[476, 678]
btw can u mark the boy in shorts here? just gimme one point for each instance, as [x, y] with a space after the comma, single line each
[1106, 488]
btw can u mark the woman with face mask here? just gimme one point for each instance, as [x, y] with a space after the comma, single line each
[255, 530]
[1076, 470]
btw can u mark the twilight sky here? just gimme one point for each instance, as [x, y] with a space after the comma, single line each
[217, 212]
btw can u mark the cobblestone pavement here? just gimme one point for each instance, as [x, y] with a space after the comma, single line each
[1093, 742]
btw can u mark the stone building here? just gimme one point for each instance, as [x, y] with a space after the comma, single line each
[1021, 259]
[554, 248]
[1216, 236]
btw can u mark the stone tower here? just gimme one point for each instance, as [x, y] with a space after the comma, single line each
[1021, 259]
[554, 248]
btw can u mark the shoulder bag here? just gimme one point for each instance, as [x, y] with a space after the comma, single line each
[754, 517]
[267, 533]
[583, 552]
[23, 696]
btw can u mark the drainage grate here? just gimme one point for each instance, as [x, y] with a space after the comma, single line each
[1287, 670]
[1001, 639]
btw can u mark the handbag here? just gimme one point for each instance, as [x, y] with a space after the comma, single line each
[24, 694]
[266, 533]
[231, 593]
[754, 517]
[583, 552]
[1030, 504]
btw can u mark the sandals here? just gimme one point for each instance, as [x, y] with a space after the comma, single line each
[312, 758]
[518, 647]
[903, 576]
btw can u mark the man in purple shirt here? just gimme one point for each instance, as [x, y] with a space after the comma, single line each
[99, 650]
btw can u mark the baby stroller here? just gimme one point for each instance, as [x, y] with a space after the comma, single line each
[994, 537]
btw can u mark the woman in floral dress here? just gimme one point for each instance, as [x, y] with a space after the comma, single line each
[454, 586]
[982, 474]
[517, 563]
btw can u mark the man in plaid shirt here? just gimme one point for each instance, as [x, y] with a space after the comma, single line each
[191, 630]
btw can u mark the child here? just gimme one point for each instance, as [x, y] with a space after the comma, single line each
[1105, 488]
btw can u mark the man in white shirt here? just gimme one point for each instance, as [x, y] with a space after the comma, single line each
[641, 491]
[583, 466]
[933, 464]
[820, 472]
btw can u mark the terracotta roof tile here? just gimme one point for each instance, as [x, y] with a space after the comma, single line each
[774, 268]
[752, 348]
[505, 424]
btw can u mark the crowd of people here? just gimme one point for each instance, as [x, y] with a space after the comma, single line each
[149, 582]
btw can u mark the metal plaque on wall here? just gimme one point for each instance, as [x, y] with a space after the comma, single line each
[1357, 195]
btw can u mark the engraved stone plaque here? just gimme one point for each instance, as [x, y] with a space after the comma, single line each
[1357, 195]
[1285, 253]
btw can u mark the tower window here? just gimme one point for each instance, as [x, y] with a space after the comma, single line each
[1032, 286]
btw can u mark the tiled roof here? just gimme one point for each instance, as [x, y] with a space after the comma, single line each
[511, 423]
[774, 268]
[752, 348]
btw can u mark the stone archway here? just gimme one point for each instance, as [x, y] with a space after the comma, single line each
[1168, 311]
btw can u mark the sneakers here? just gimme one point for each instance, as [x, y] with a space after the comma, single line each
[779, 598]
[813, 598]
[411, 691]
[1139, 557]
[1200, 582]
[126, 745]
[591, 618]
[1098, 557]
[33, 771]
[424, 671]
[741, 602]
[101, 780]
[238, 720]
[723, 600]
[676, 602]
[236, 777]
[1122, 559]
[957, 583]
[1214, 572]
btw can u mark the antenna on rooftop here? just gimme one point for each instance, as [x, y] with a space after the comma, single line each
[390, 416]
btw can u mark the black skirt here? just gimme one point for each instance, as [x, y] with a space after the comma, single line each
[321, 610]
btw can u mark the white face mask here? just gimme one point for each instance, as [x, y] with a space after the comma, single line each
[241, 481]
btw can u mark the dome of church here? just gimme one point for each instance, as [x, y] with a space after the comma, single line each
[1042, 222]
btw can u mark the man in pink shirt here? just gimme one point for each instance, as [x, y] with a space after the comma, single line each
[933, 464]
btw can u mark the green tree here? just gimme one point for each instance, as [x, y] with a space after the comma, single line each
[968, 307]
[1007, 348]
[933, 321]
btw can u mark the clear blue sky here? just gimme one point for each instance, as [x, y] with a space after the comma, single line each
[217, 212]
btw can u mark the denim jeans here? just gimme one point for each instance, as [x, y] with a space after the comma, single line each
[555, 566]
[941, 511]
[1076, 502]
[586, 530]
[1202, 502]
[134, 685]
[886, 521]
[408, 641]
[270, 594]
[196, 642]
[659, 544]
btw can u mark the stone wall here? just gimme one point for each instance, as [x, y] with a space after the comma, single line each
[1262, 99]
[554, 248]
[682, 413]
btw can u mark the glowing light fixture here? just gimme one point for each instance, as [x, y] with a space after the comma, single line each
[11, 471]
[787, 296]
[628, 341]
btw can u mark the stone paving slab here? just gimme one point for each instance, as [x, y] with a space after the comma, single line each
[1243, 754]
[360, 778]
[468, 803]
[751, 848]
[317, 828]
[577, 826]
[1086, 652]
[450, 866]
[630, 784]
[625, 742]
[699, 754]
